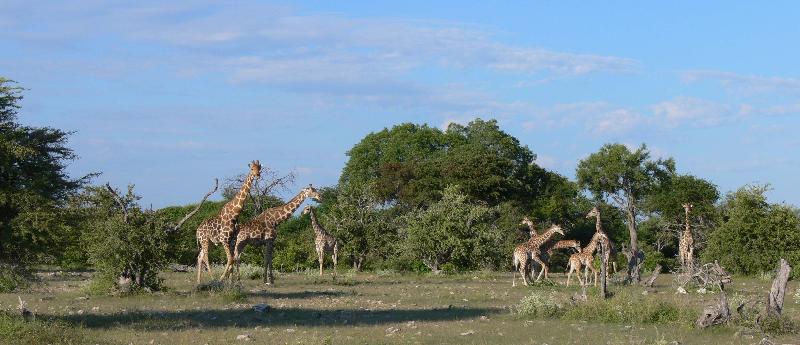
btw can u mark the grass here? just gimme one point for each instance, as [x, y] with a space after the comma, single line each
[15, 330]
[385, 308]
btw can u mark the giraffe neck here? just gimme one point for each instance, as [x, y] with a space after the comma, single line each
[592, 244]
[544, 236]
[285, 211]
[687, 220]
[315, 223]
[598, 227]
[235, 205]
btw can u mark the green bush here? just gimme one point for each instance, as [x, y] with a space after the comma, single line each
[538, 305]
[15, 330]
[11, 278]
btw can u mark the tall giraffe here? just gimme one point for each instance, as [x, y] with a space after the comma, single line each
[530, 271]
[323, 241]
[585, 257]
[605, 241]
[220, 228]
[263, 227]
[686, 246]
[530, 251]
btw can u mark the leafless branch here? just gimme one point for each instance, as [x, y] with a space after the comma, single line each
[190, 214]
[117, 198]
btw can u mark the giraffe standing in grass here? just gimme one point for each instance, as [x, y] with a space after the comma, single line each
[263, 228]
[531, 234]
[585, 258]
[220, 228]
[605, 241]
[323, 241]
[530, 250]
[686, 246]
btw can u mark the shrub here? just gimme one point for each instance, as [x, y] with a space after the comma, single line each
[538, 305]
[11, 278]
[629, 309]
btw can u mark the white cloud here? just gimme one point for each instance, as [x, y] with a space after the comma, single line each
[691, 111]
[750, 84]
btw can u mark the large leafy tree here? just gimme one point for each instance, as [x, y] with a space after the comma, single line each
[754, 234]
[668, 218]
[410, 164]
[34, 184]
[625, 178]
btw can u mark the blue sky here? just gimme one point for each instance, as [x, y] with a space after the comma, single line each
[169, 95]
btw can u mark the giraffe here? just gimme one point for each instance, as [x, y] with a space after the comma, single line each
[263, 227]
[686, 246]
[220, 228]
[531, 234]
[530, 251]
[605, 241]
[323, 241]
[585, 257]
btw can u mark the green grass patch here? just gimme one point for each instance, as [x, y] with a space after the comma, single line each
[15, 330]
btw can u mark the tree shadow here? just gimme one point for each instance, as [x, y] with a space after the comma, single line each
[298, 294]
[212, 318]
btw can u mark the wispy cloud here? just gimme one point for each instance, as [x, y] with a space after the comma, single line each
[750, 84]
[691, 111]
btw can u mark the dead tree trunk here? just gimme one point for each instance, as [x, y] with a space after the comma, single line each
[268, 278]
[716, 314]
[649, 282]
[603, 270]
[778, 291]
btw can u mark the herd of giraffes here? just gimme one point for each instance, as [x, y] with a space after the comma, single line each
[531, 251]
[224, 229]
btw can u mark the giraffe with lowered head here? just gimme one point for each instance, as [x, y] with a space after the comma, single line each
[686, 245]
[263, 228]
[323, 241]
[220, 228]
[530, 250]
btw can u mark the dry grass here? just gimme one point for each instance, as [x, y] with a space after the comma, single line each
[365, 308]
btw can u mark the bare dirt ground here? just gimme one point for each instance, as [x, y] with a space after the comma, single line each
[364, 308]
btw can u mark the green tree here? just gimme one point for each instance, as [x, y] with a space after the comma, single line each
[355, 218]
[453, 230]
[34, 184]
[625, 178]
[754, 234]
[667, 219]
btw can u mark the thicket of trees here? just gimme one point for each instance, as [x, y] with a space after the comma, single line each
[411, 197]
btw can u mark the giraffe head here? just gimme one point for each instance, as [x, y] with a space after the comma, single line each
[255, 168]
[595, 212]
[687, 207]
[311, 192]
[557, 229]
[529, 224]
[306, 210]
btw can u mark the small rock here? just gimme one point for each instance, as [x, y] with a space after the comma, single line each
[392, 330]
[484, 318]
[81, 298]
[244, 337]
[644, 292]
[80, 312]
[681, 290]
[290, 330]
[469, 332]
[702, 290]
[95, 308]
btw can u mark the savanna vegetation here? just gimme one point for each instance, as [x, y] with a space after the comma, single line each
[424, 206]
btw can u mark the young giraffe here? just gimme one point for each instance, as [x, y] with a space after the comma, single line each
[531, 234]
[263, 227]
[686, 246]
[530, 251]
[323, 241]
[585, 258]
[220, 228]
[595, 212]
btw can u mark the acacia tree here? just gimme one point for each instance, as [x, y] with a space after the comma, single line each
[34, 184]
[625, 178]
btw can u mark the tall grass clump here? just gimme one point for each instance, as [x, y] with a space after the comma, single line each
[539, 305]
[16, 330]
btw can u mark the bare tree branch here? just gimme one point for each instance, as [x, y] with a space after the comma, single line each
[190, 214]
[117, 198]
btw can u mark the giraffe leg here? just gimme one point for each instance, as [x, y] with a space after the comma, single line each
[569, 273]
[321, 259]
[335, 256]
[229, 263]
[237, 256]
[200, 256]
[523, 270]
[543, 270]
[268, 278]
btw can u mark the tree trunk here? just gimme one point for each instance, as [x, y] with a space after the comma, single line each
[649, 282]
[268, 278]
[634, 261]
[778, 291]
[603, 270]
[715, 314]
